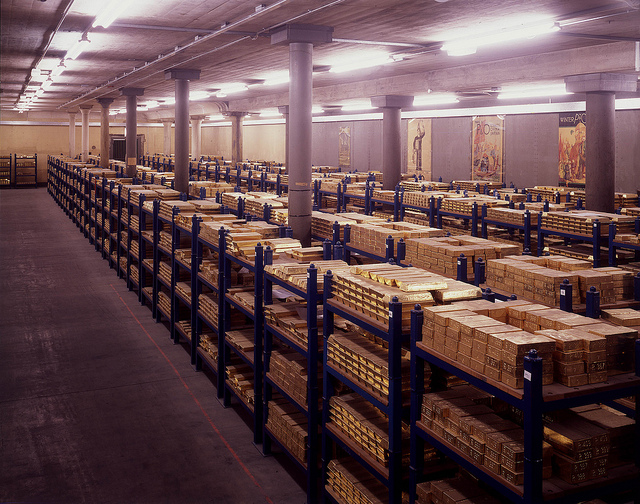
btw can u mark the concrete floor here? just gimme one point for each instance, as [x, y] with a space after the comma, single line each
[96, 403]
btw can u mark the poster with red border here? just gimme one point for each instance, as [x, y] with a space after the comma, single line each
[572, 146]
[487, 143]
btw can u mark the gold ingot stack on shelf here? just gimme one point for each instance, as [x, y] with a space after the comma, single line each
[240, 377]
[230, 199]
[541, 278]
[482, 436]
[366, 426]
[288, 369]
[441, 254]
[256, 205]
[167, 207]
[413, 186]
[384, 195]
[289, 426]
[421, 198]
[370, 289]
[509, 216]
[470, 185]
[279, 216]
[353, 484]
[322, 224]
[464, 205]
[358, 355]
[210, 188]
[371, 236]
[296, 273]
[452, 491]
[209, 307]
[580, 222]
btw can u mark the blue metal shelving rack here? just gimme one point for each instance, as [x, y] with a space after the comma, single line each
[534, 401]
[595, 239]
[615, 245]
[312, 355]
[526, 228]
[391, 476]
[257, 318]
[202, 357]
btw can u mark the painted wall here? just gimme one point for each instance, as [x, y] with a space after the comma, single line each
[531, 145]
[45, 140]
[264, 142]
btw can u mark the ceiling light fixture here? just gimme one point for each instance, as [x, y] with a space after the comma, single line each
[216, 117]
[533, 91]
[275, 81]
[110, 12]
[317, 110]
[469, 45]
[46, 84]
[361, 63]
[356, 106]
[58, 70]
[231, 89]
[435, 99]
[198, 95]
[78, 47]
[270, 113]
[40, 92]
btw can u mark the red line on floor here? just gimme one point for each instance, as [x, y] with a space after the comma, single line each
[206, 415]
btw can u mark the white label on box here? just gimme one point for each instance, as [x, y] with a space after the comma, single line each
[527, 375]
[562, 292]
[390, 314]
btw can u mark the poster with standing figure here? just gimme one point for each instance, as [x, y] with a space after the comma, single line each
[344, 147]
[572, 154]
[419, 144]
[487, 141]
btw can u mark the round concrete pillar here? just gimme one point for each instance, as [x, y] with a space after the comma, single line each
[181, 182]
[72, 134]
[601, 151]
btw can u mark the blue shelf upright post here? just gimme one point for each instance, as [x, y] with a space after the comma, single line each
[533, 425]
[416, 456]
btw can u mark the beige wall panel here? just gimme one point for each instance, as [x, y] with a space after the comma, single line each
[216, 141]
[265, 142]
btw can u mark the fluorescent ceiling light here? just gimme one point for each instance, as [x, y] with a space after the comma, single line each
[40, 92]
[469, 45]
[351, 107]
[533, 91]
[434, 99]
[151, 104]
[110, 12]
[168, 101]
[46, 84]
[360, 63]
[231, 89]
[198, 95]
[317, 110]
[58, 70]
[270, 113]
[276, 80]
[78, 47]
[216, 117]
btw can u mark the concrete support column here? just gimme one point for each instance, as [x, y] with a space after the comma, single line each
[237, 145]
[196, 136]
[84, 110]
[72, 134]
[104, 131]
[601, 151]
[301, 39]
[600, 137]
[132, 128]
[284, 110]
[300, 101]
[182, 78]
[391, 137]
[166, 123]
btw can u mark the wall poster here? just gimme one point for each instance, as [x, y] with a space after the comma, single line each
[572, 148]
[344, 147]
[487, 157]
[419, 144]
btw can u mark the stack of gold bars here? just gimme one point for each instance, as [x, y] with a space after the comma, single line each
[240, 378]
[461, 489]
[463, 418]
[288, 369]
[353, 484]
[365, 425]
[441, 254]
[580, 222]
[289, 426]
[581, 448]
[470, 185]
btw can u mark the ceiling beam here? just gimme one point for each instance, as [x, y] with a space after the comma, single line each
[615, 57]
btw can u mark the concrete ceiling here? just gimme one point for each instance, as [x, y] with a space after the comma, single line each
[228, 40]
